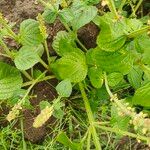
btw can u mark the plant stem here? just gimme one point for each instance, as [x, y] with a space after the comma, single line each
[138, 32]
[118, 131]
[89, 140]
[90, 117]
[69, 30]
[112, 8]
[40, 80]
[23, 141]
[47, 51]
[44, 64]
[6, 49]
[27, 75]
[146, 70]
[4, 55]
[122, 4]
[9, 30]
[30, 88]
[136, 8]
[82, 46]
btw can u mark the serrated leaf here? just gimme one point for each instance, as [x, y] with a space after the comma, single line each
[109, 61]
[49, 15]
[111, 37]
[83, 14]
[30, 33]
[64, 88]
[142, 96]
[96, 76]
[114, 32]
[142, 45]
[27, 57]
[10, 81]
[66, 15]
[72, 66]
[135, 77]
[114, 78]
[63, 43]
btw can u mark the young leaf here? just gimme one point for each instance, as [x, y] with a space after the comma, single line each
[62, 138]
[114, 78]
[30, 33]
[142, 96]
[28, 56]
[10, 80]
[96, 76]
[64, 88]
[72, 66]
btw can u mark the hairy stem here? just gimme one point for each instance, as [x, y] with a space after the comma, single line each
[9, 30]
[136, 8]
[125, 133]
[5, 48]
[44, 64]
[40, 80]
[27, 75]
[138, 32]
[47, 51]
[90, 117]
[112, 8]
[122, 4]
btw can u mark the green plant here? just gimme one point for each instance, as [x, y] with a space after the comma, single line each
[121, 59]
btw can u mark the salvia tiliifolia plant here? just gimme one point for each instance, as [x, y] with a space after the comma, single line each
[120, 60]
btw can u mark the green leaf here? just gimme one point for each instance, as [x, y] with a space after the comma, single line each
[10, 81]
[28, 56]
[58, 113]
[114, 78]
[92, 2]
[30, 33]
[64, 88]
[142, 45]
[96, 76]
[83, 14]
[72, 66]
[37, 73]
[111, 37]
[49, 15]
[43, 104]
[63, 138]
[142, 96]
[63, 43]
[109, 61]
[66, 15]
[135, 77]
